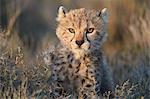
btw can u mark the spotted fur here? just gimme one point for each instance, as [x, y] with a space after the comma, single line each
[78, 64]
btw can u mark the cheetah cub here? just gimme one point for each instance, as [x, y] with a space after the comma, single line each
[78, 65]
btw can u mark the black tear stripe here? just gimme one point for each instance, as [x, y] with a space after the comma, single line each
[87, 38]
[72, 38]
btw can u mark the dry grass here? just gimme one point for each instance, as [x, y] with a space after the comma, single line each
[19, 80]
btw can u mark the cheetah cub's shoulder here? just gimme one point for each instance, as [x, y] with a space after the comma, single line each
[78, 66]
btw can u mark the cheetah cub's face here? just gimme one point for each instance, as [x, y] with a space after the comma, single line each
[82, 30]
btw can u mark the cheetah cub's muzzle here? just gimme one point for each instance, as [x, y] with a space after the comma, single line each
[81, 30]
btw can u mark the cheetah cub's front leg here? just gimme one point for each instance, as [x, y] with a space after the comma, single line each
[82, 32]
[85, 81]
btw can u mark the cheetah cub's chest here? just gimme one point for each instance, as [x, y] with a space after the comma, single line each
[78, 66]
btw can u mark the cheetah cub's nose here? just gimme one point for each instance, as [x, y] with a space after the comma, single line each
[79, 42]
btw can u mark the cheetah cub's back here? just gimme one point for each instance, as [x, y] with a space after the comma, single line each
[83, 69]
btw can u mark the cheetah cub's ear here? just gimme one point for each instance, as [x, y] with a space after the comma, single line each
[103, 14]
[61, 13]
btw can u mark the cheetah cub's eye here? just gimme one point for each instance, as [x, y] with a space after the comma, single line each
[71, 30]
[90, 30]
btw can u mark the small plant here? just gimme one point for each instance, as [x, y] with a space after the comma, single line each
[126, 91]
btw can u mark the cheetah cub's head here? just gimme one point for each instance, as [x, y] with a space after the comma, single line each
[82, 30]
